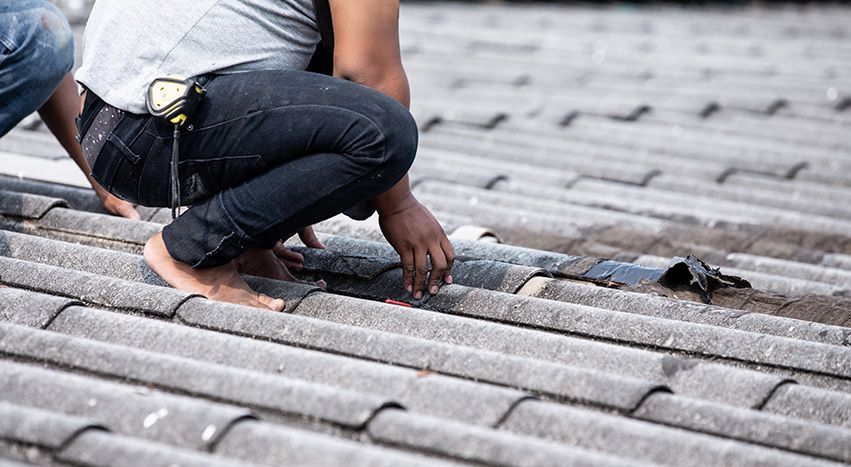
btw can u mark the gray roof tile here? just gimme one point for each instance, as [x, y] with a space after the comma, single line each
[28, 309]
[100, 448]
[711, 341]
[26, 206]
[91, 288]
[523, 373]
[33, 426]
[131, 410]
[809, 403]
[720, 133]
[274, 393]
[668, 308]
[431, 394]
[478, 444]
[638, 439]
[748, 425]
[277, 445]
[688, 376]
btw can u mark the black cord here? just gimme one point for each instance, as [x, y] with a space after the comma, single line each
[175, 177]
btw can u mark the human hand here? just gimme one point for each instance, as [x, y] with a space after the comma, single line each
[116, 205]
[293, 260]
[417, 236]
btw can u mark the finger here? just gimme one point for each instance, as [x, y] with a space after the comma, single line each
[438, 269]
[291, 259]
[408, 269]
[308, 237]
[128, 211]
[420, 273]
[449, 253]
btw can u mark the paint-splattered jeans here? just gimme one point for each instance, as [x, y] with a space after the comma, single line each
[269, 153]
[36, 51]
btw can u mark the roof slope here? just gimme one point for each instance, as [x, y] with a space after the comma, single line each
[625, 133]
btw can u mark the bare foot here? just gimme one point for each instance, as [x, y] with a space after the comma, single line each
[221, 283]
[265, 263]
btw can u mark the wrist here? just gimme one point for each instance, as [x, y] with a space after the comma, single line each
[395, 205]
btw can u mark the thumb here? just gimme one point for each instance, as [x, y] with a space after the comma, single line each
[308, 237]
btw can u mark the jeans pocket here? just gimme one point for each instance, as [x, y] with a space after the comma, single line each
[202, 178]
[118, 166]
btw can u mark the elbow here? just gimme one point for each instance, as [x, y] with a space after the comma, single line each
[387, 78]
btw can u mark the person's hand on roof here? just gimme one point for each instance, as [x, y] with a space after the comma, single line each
[114, 204]
[418, 237]
[293, 260]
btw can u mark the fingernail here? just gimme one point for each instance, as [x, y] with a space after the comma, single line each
[418, 295]
[433, 290]
[409, 288]
[449, 279]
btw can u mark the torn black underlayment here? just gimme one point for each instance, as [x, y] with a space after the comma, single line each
[690, 273]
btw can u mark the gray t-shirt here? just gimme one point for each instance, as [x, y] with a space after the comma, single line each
[129, 43]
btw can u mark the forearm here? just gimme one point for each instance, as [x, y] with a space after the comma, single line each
[58, 113]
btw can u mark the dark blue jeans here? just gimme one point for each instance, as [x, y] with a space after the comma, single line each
[36, 51]
[269, 153]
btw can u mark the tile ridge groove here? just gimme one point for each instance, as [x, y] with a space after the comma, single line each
[526, 397]
[651, 393]
[77, 434]
[72, 303]
[220, 435]
[773, 391]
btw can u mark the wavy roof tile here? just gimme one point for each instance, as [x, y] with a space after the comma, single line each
[603, 145]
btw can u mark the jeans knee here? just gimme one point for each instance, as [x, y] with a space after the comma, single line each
[402, 137]
[52, 41]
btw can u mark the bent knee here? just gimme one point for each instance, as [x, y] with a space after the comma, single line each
[402, 135]
[50, 42]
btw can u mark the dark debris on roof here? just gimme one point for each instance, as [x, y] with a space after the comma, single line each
[603, 146]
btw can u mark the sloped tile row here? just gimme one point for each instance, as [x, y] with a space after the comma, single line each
[384, 317]
[73, 317]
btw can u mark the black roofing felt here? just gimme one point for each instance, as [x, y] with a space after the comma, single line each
[599, 143]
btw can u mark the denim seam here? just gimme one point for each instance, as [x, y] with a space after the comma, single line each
[362, 115]
[235, 230]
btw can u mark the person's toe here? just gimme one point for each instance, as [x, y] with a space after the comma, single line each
[274, 304]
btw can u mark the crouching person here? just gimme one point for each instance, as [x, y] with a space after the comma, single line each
[36, 56]
[271, 150]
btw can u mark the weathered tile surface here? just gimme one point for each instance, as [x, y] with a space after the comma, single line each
[596, 142]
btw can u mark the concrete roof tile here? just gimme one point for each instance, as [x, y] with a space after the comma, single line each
[34, 426]
[275, 393]
[26, 206]
[478, 444]
[268, 444]
[131, 410]
[30, 309]
[641, 440]
[689, 376]
[810, 403]
[101, 448]
[693, 338]
[668, 308]
[431, 394]
[91, 288]
[748, 425]
[419, 353]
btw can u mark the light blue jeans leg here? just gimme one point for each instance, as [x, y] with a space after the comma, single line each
[36, 51]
